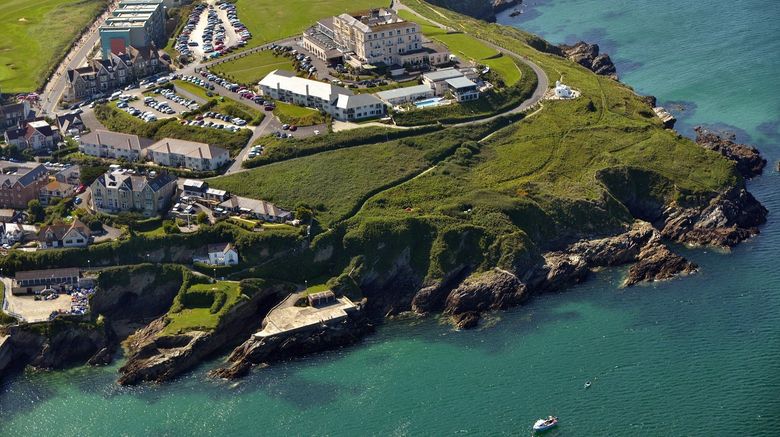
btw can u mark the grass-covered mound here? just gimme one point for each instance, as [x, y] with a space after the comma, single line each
[201, 306]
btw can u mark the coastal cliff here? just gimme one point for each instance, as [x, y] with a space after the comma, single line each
[748, 159]
[156, 356]
[480, 9]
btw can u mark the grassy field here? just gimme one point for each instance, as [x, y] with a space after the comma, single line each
[467, 47]
[204, 307]
[253, 67]
[35, 33]
[270, 20]
[349, 175]
[192, 89]
[298, 115]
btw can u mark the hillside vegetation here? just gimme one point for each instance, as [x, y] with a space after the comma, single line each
[482, 196]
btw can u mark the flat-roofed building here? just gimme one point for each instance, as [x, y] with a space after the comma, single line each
[399, 96]
[114, 145]
[188, 154]
[134, 23]
[27, 282]
[463, 89]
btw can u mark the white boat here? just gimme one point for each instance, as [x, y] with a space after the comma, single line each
[545, 424]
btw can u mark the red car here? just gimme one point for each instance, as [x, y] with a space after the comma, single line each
[293, 128]
[269, 107]
[81, 188]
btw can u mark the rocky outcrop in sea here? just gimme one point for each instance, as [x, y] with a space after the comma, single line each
[589, 57]
[748, 158]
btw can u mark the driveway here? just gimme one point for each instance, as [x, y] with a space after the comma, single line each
[268, 125]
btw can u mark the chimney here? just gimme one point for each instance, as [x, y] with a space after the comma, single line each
[98, 138]
[168, 147]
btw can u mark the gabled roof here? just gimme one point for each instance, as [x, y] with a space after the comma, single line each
[190, 149]
[24, 173]
[356, 101]
[287, 80]
[116, 140]
[57, 232]
[220, 248]
[260, 207]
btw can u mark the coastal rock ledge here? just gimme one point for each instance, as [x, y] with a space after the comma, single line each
[749, 161]
[589, 57]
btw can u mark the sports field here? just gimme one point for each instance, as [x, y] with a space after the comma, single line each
[35, 34]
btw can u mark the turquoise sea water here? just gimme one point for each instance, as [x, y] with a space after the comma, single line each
[694, 356]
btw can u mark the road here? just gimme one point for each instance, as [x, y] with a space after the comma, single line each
[55, 88]
[542, 84]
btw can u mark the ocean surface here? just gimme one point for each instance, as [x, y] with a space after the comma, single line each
[695, 356]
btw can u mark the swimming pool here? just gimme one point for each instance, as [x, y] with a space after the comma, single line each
[429, 102]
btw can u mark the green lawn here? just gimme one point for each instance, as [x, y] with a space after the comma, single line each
[250, 69]
[192, 89]
[271, 20]
[298, 115]
[35, 34]
[200, 311]
[466, 46]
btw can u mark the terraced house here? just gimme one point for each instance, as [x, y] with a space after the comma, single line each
[114, 145]
[188, 154]
[119, 191]
[113, 71]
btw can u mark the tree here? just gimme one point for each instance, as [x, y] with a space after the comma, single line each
[36, 211]
[201, 218]
[303, 213]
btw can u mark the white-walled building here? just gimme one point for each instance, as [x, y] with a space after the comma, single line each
[340, 103]
[399, 96]
[114, 145]
[189, 154]
[223, 254]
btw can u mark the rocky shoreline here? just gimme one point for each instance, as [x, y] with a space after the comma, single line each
[589, 56]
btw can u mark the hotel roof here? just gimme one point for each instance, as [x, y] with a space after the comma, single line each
[403, 92]
[187, 148]
[460, 82]
[287, 80]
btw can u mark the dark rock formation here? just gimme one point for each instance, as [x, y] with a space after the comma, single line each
[480, 9]
[729, 218]
[466, 320]
[159, 358]
[259, 351]
[748, 158]
[492, 290]
[589, 57]
[656, 263]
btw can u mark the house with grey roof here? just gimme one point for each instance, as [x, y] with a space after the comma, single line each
[172, 152]
[256, 208]
[20, 183]
[12, 115]
[118, 191]
[114, 145]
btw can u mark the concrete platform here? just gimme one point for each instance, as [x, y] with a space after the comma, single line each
[288, 319]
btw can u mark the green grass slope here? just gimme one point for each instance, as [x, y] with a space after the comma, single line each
[35, 34]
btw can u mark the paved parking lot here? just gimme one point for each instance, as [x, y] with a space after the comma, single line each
[231, 38]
